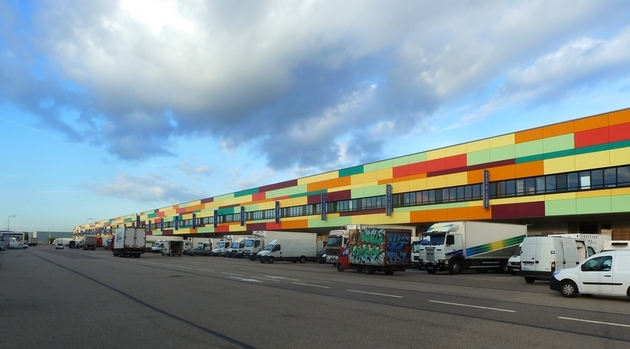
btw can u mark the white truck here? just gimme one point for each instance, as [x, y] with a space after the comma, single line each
[594, 242]
[612, 245]
[261, 238]
[223, 246]
[457, 246]
[89, 242]
[294, 249]
[32, 239]
[129, 241]
[337, 239]
[156, 242]
[237, 249]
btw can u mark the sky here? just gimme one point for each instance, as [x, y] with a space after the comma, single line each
[110, 107]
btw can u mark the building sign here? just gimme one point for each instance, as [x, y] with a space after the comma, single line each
[194, 222]
[486, 189]
[215, 218]
[323, 203]
[277, 212]
[242, 216]
[176, 222]
[388, 202]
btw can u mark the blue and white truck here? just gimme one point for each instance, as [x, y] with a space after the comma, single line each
[457, 246]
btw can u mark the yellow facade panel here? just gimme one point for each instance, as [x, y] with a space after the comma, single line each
[592, 194]
[456, 150]
[620, 191]
[456, 179]
[436, 154]
[559, 165]
[592, 160]
[357, 179]
[318, 178]
[370, 177]
[561, 196]
[436, 182]
[418, 184]
[385, 173]
[503, 201]
[481, 145]
[501, 141]
[619, 157]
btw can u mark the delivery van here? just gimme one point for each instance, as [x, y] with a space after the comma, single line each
[542, 255]
[606, 273]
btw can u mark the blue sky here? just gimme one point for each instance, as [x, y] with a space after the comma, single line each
[114, 107]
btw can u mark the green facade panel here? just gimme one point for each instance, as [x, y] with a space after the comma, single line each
[620, 203]
[351, 171]
[533, 148]
[593, 205]
[505, 152]
[478, 157]
[560, 207]
[558, 143]
[296, 190]
[246, 192]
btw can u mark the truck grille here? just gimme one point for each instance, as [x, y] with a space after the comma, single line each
[430, 255]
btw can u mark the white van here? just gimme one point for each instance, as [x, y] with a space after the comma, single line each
[542, 255]
[606, 273]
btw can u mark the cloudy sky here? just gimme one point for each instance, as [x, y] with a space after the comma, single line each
[113, 107]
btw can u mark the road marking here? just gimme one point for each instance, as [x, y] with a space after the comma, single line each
[208, 270]
[280, 277]
[230, 274]
[376, 294]
[167, 265]
[264, 278]
[311, 285]
[474, 306]
[243, 279]
[592, 321]
[185, 267]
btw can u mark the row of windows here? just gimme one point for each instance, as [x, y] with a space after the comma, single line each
[557, 183]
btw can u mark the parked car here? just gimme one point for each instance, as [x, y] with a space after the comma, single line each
[4, 243]
[605, 273]
[59, 246]
[198, 252]
[321, 256]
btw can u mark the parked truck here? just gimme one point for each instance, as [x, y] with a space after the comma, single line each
[337, 240]
[261, 239]
[223, 246]
[129, 241]
[377, 248]
[32, 239]
[457, 246]
[89, 242]
[294, 249]
[237, 249]
[173, 248]
[594, 242]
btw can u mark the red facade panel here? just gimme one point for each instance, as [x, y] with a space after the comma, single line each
[529, 209]
[591, 137]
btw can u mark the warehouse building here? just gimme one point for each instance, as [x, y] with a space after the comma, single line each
[570, 177]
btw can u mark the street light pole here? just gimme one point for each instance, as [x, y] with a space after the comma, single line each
[92, 224]
[8, 218]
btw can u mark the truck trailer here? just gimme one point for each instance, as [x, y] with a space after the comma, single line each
[89, 242]
[294, 249]
[173, 248]
[457, 246]
[377, 248]
[32, 239]
[129, 241]
[261, 239]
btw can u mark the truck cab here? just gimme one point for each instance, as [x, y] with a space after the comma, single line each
[337, 239]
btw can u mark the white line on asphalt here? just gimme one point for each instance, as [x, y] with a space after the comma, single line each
[243, 279]
[376, 294]
[592, 321]
[208, 270]
[474, 306]
[264, 278]
[185, 267]
[311, 285]
[280, 277]
[230, 274]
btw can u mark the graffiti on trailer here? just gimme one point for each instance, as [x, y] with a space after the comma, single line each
[398, 248]
[376, 246]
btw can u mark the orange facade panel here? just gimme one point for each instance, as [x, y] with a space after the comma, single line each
[619, 117]
[590, 123]
[295, 224]
[558, 129]
[528, 136]
[501, 173]
[330, 183]
[530, 169]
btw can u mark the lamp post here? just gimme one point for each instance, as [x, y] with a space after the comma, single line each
[8, 218]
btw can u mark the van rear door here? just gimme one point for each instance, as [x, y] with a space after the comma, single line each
[570, 256]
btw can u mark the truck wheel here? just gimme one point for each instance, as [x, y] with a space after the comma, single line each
[503, 267]
[370, 269]
[339, 267]
[568, 289]
[530, 280]
[389, 272]
[431, 271]
[302, 259]
[270, 260]
[455, 267]
[262, 261]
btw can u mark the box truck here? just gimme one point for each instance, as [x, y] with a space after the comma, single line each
[173, 248]
[32, 239]
[223, 246]
[594, 242]
[129, 241]
[237, 249]
[612, 245]
[376, 248]
[261, 239]
[89, 242]
[457, 246]
[292, 249]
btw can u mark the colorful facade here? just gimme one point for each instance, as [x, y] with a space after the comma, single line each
[567, 177]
